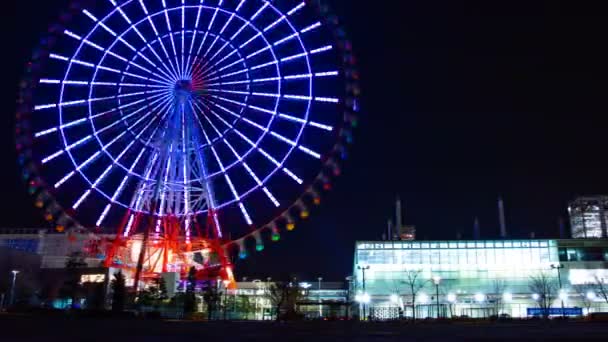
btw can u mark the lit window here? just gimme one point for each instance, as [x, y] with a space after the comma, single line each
[92, 278]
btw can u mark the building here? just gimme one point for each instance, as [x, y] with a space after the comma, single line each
[44, 256]
[478, 278]
[588, 216]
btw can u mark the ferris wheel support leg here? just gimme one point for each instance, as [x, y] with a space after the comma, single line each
[142, 253]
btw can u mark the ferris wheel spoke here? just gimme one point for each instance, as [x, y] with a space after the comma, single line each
[233, 37]
[136, 123]
[67, 149]
[222, 120]
[94, 83]
[206, 117]
[170, 32]
[117, 56]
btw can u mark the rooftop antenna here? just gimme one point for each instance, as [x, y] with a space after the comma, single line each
[476, 229]
[398, 223]
[390, 230]
[501, 218]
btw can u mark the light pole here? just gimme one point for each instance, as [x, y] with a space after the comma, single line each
[558, 267]
[363, 269]
[437, 280]
[319, 297]
[15, 272]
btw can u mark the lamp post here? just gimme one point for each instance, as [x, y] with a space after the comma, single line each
[363, 269]
[558, 267]
[319, 297]
[437, 280]
[15, 272]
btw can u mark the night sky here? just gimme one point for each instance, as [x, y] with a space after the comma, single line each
[463, 101]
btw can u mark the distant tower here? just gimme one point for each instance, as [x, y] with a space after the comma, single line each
[402, 232]
[476, 229]
[398, 222]
[501, 218]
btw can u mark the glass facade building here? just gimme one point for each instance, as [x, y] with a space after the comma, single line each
[476, 278]
[588, 217]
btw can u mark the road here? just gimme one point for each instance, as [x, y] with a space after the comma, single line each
[34, 328]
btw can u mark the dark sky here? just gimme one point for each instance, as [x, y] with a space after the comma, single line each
[463, 101]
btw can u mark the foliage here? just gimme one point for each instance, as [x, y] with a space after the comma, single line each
[119, 292]
[546, 288]
[283, 296]
[154, 295]
[212, 297]
[190, 295]
[72, 288]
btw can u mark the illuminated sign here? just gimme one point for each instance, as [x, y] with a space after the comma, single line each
[92, 278]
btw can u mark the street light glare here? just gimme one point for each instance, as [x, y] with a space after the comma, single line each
[535, 296]
[479, 297]
[436, 280]
[365, 298]
[451, 297]
[423, 298]
[394, 298]
[507, 297]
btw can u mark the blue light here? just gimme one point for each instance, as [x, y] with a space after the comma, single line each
[243, 79]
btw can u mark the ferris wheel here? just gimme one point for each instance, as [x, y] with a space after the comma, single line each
[188, 120]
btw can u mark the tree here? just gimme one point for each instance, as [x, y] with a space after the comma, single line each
[496, 298]
[72, 288]
[601, 286]
[119, 292]
[414, 283]
[190, 295]
[284, 296]
[162, 289]
[212, 297]
[545, 287]
[582, 290]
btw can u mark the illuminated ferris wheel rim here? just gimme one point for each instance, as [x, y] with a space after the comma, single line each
[165, 78]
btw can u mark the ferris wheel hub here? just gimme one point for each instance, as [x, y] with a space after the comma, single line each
[183, 89]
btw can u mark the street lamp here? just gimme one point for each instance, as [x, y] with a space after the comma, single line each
[363, 269]
[319, 297]
[558, 267]
[15, 272]
[437, 280]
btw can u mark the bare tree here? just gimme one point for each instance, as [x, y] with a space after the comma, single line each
[545, 287]
[284, 295]
[582, 290]
[496, 298]
[601, 286]
[414, 283]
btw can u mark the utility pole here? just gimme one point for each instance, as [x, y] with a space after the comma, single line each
[558, 267]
